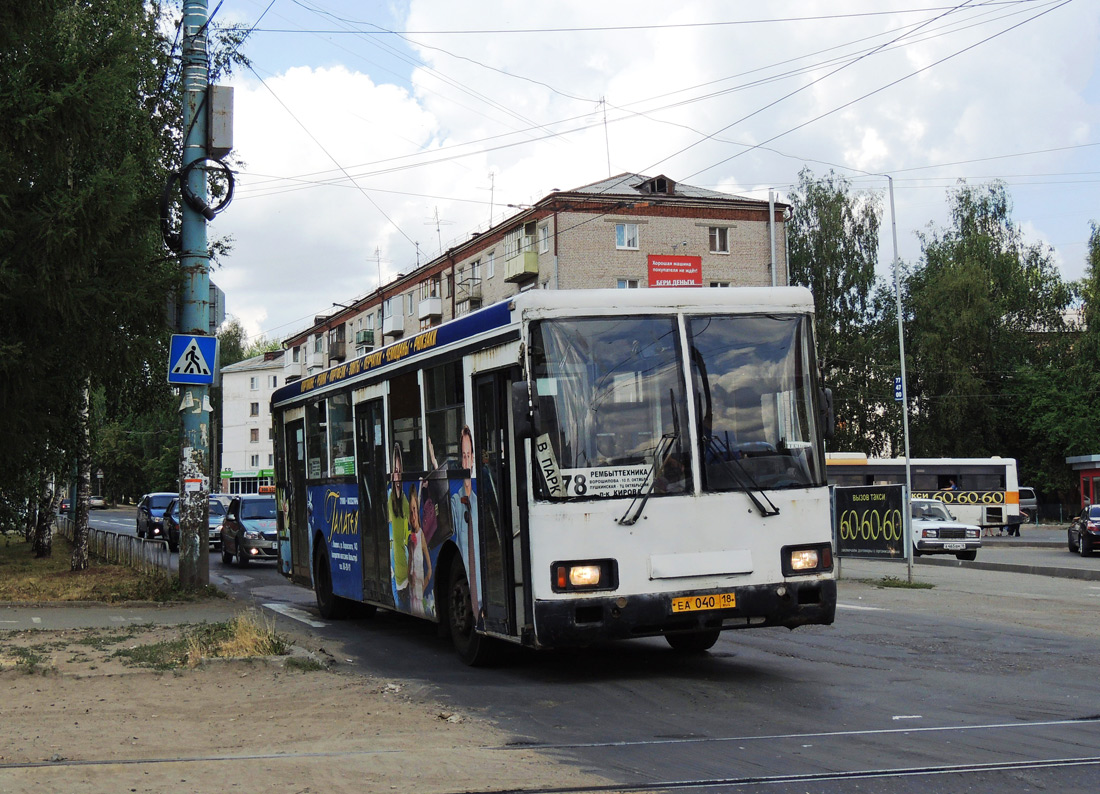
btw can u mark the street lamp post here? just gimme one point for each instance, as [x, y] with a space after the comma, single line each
[904, 386]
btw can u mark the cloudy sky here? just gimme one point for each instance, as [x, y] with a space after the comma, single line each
[370, 134]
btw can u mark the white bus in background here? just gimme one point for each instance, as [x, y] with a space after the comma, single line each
[980, 491]
[567, 467]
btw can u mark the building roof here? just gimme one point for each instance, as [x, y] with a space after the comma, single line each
[638, 185]
[260, 362]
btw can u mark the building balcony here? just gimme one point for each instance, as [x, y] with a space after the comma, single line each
[337, 352]
[394, 325]
[522, 267]
[431, 309]
[291, 369]
[469, 291]
[365, 337]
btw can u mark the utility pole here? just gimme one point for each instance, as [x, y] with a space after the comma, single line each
[194, 485]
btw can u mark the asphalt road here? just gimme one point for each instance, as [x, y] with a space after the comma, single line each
[984, 681]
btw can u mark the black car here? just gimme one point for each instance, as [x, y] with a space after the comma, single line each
[1084, 532]
[216, 512]
[150, 514]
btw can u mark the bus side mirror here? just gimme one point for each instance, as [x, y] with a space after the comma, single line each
[524, 412]
[828, 418]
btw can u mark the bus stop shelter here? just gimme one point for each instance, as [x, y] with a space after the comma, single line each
[1088, 476]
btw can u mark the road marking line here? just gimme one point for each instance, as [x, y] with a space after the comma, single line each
[36, 620]
[864, 609]
[296, 614]
[908, 717]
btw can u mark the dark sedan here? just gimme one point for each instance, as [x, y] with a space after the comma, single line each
[214, 523]
[1084, 532]
[150, 514]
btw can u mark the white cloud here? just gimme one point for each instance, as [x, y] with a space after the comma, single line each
[301, 245]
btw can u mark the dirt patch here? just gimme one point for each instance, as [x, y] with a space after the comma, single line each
[79, 717]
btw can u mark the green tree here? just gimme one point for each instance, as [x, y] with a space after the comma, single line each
[984, 328]
[83, 276]
[833, 243]
[89, 130]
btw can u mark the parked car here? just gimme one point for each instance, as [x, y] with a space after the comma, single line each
[935, 531]
[216, 513]
[1084, 532]
[64, 507]
[150, 514]
[96, 502]
[248, 530]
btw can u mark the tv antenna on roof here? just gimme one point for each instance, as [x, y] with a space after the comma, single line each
[438, 233]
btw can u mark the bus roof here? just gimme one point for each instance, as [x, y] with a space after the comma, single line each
[546, 303]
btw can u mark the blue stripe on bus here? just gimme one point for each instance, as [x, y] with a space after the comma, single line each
[478, 322]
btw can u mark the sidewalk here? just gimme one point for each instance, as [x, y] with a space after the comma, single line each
[61, 615]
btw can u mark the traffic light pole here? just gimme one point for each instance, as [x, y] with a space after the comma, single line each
[194, 485]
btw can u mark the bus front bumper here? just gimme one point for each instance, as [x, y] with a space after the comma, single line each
[583, 620]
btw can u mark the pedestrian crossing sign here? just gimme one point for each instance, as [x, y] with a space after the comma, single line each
[192, 359]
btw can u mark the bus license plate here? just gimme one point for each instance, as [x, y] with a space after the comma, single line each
[701, 602]
[954, 546]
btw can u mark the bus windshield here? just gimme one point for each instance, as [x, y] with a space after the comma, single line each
[753, 386]
[612, 406]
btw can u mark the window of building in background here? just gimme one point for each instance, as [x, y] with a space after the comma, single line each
[626, 236]
[719, 240]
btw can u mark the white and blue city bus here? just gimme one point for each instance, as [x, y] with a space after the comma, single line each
[570, 466]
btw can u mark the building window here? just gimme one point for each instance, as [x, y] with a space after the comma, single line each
[253, 409]
[626, 236]
[719, 283]
[271, 459]
[628, 283]
[319, 343]
[412, 305]
[270, 433]
[475, 270]
[719, 240]
[274, 381]
[255, 435]
[255, 461]
[544, 238]
[296, 353]
[490, 264]
[253, 383]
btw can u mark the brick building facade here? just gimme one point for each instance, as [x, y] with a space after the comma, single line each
[627, 231]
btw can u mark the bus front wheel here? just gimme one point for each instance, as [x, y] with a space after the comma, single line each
[693, 642]
[474, 649]
[329, 605]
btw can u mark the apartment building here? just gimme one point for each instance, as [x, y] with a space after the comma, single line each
[247, 457]
[628, 231]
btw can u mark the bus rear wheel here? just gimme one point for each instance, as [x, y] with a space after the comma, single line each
[693, 642]
[329, 605]
[474, 649]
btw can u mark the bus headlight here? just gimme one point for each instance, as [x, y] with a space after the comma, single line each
[574, 575]
[807, 559]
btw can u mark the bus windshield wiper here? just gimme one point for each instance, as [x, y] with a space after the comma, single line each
[638, 503]
[726, 458]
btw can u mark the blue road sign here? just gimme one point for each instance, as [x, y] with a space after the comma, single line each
[898, 390]
[192, 359]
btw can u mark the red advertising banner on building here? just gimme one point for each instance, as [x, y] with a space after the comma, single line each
[675, 271]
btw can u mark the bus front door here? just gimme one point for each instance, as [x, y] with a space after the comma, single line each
[494, 499]
[371, 467]
[296, 498]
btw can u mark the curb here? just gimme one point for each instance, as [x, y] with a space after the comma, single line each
[1008, 567]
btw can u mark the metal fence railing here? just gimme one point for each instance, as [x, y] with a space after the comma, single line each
[147, 556]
